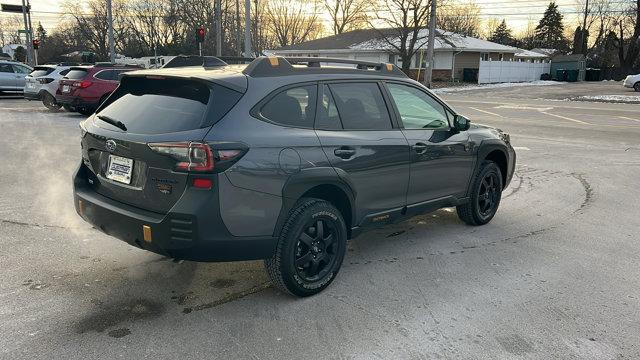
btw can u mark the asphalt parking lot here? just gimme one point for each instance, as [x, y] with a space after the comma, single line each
[554, 275]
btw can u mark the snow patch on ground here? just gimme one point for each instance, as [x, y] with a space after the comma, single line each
[628, 99]
[495, 86]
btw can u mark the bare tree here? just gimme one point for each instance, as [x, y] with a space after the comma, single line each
[291, 22]
[9, 27]
[628, 26]
[460, 18]
[404, 27]
[347, 15]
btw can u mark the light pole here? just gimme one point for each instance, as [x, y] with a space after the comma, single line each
[247, 28]
[112, 45]
[428, 75]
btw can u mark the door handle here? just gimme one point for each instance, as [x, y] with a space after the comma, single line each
[344, 152]
[420, 148]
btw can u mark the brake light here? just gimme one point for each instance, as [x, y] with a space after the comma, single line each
[83, 84]
[191, 156]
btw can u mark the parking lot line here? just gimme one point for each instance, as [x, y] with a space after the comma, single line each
[556, 104]
[486, 112]
[628, 118]
[567, 118]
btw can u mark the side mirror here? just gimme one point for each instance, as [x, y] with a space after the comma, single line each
[461, 123]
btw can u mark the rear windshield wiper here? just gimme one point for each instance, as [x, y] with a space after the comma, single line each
[112, 121]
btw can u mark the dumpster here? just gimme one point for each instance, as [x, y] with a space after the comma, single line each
[593, 75]
[561, 75]
[572, 75]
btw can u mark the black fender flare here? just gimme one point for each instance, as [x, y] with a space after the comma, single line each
[306, 179]
[486, 147]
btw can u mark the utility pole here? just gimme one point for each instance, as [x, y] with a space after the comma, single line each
[33, 57]
[583, 45]
[218, 28]
[238, 45]
[247, 28]
[27, 33]
[112, 44]
[428, 74]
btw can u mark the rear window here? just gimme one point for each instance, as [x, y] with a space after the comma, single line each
[76, 74]
[41, 71]
[158, 106]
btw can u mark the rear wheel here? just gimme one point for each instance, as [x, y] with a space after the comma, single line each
[310, 249]
[486, 192]
[50, 102]
[636, 86]
[85, 110]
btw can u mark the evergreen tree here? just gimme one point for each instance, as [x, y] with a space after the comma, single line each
[502, 34]
[550, 30]
[41, 33]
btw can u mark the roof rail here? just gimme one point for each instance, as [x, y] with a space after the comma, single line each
[194, 60]
[279, 66]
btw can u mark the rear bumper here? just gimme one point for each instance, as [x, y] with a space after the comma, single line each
[31, 95]
[75, 101]
[192, 230]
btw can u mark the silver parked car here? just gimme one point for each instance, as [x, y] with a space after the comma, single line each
[12, 75]
[42, 84]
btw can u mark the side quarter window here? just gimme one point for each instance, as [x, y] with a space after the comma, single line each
[292, 107]
[417, 109]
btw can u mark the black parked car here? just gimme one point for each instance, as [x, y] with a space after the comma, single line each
[282, 160]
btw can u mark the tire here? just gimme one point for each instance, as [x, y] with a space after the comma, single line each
[50, 102]
[307, 260]
[69, 108]
[636, 86]
[486, 193]
[85, 111]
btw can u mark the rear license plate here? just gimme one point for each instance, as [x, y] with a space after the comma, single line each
[65, 88]
[120, 169]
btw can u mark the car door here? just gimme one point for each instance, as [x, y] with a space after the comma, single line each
[20, 73]
[7, 77]
[365, 147]
[441, 157]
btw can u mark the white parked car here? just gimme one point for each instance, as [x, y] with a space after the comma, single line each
[633, 81]
[12, 75]
[42, 84]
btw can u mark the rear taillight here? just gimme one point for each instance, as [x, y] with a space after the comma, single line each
[82, 84]
[198, 157]
[45, 80]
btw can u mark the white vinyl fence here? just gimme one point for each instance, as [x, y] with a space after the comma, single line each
[511, 71]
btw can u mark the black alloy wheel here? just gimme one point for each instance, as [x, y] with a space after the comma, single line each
[316, 250]
[310, 249]
[488, 195]
[484, 196]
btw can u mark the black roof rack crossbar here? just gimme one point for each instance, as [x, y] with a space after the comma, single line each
[280, 66]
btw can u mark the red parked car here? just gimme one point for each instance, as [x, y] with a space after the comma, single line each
[86, 87]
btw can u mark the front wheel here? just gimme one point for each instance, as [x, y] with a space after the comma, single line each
[310, 249]
[636, 86]
[486, 192]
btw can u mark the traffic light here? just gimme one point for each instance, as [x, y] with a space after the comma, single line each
[36, 44]
[200, 34]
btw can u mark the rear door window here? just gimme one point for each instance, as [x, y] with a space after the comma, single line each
[76, 74]
[327, 117]
[292, 107]
[21, 69]
[361, 106]
[155, 106]
[6, 68]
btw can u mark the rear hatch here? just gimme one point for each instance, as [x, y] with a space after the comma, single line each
[138, 166]
[38, 77]
[74, 80]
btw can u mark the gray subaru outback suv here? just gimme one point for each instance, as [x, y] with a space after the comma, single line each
[281, 160]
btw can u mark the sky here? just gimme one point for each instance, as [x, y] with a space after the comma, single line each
[518, 13]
